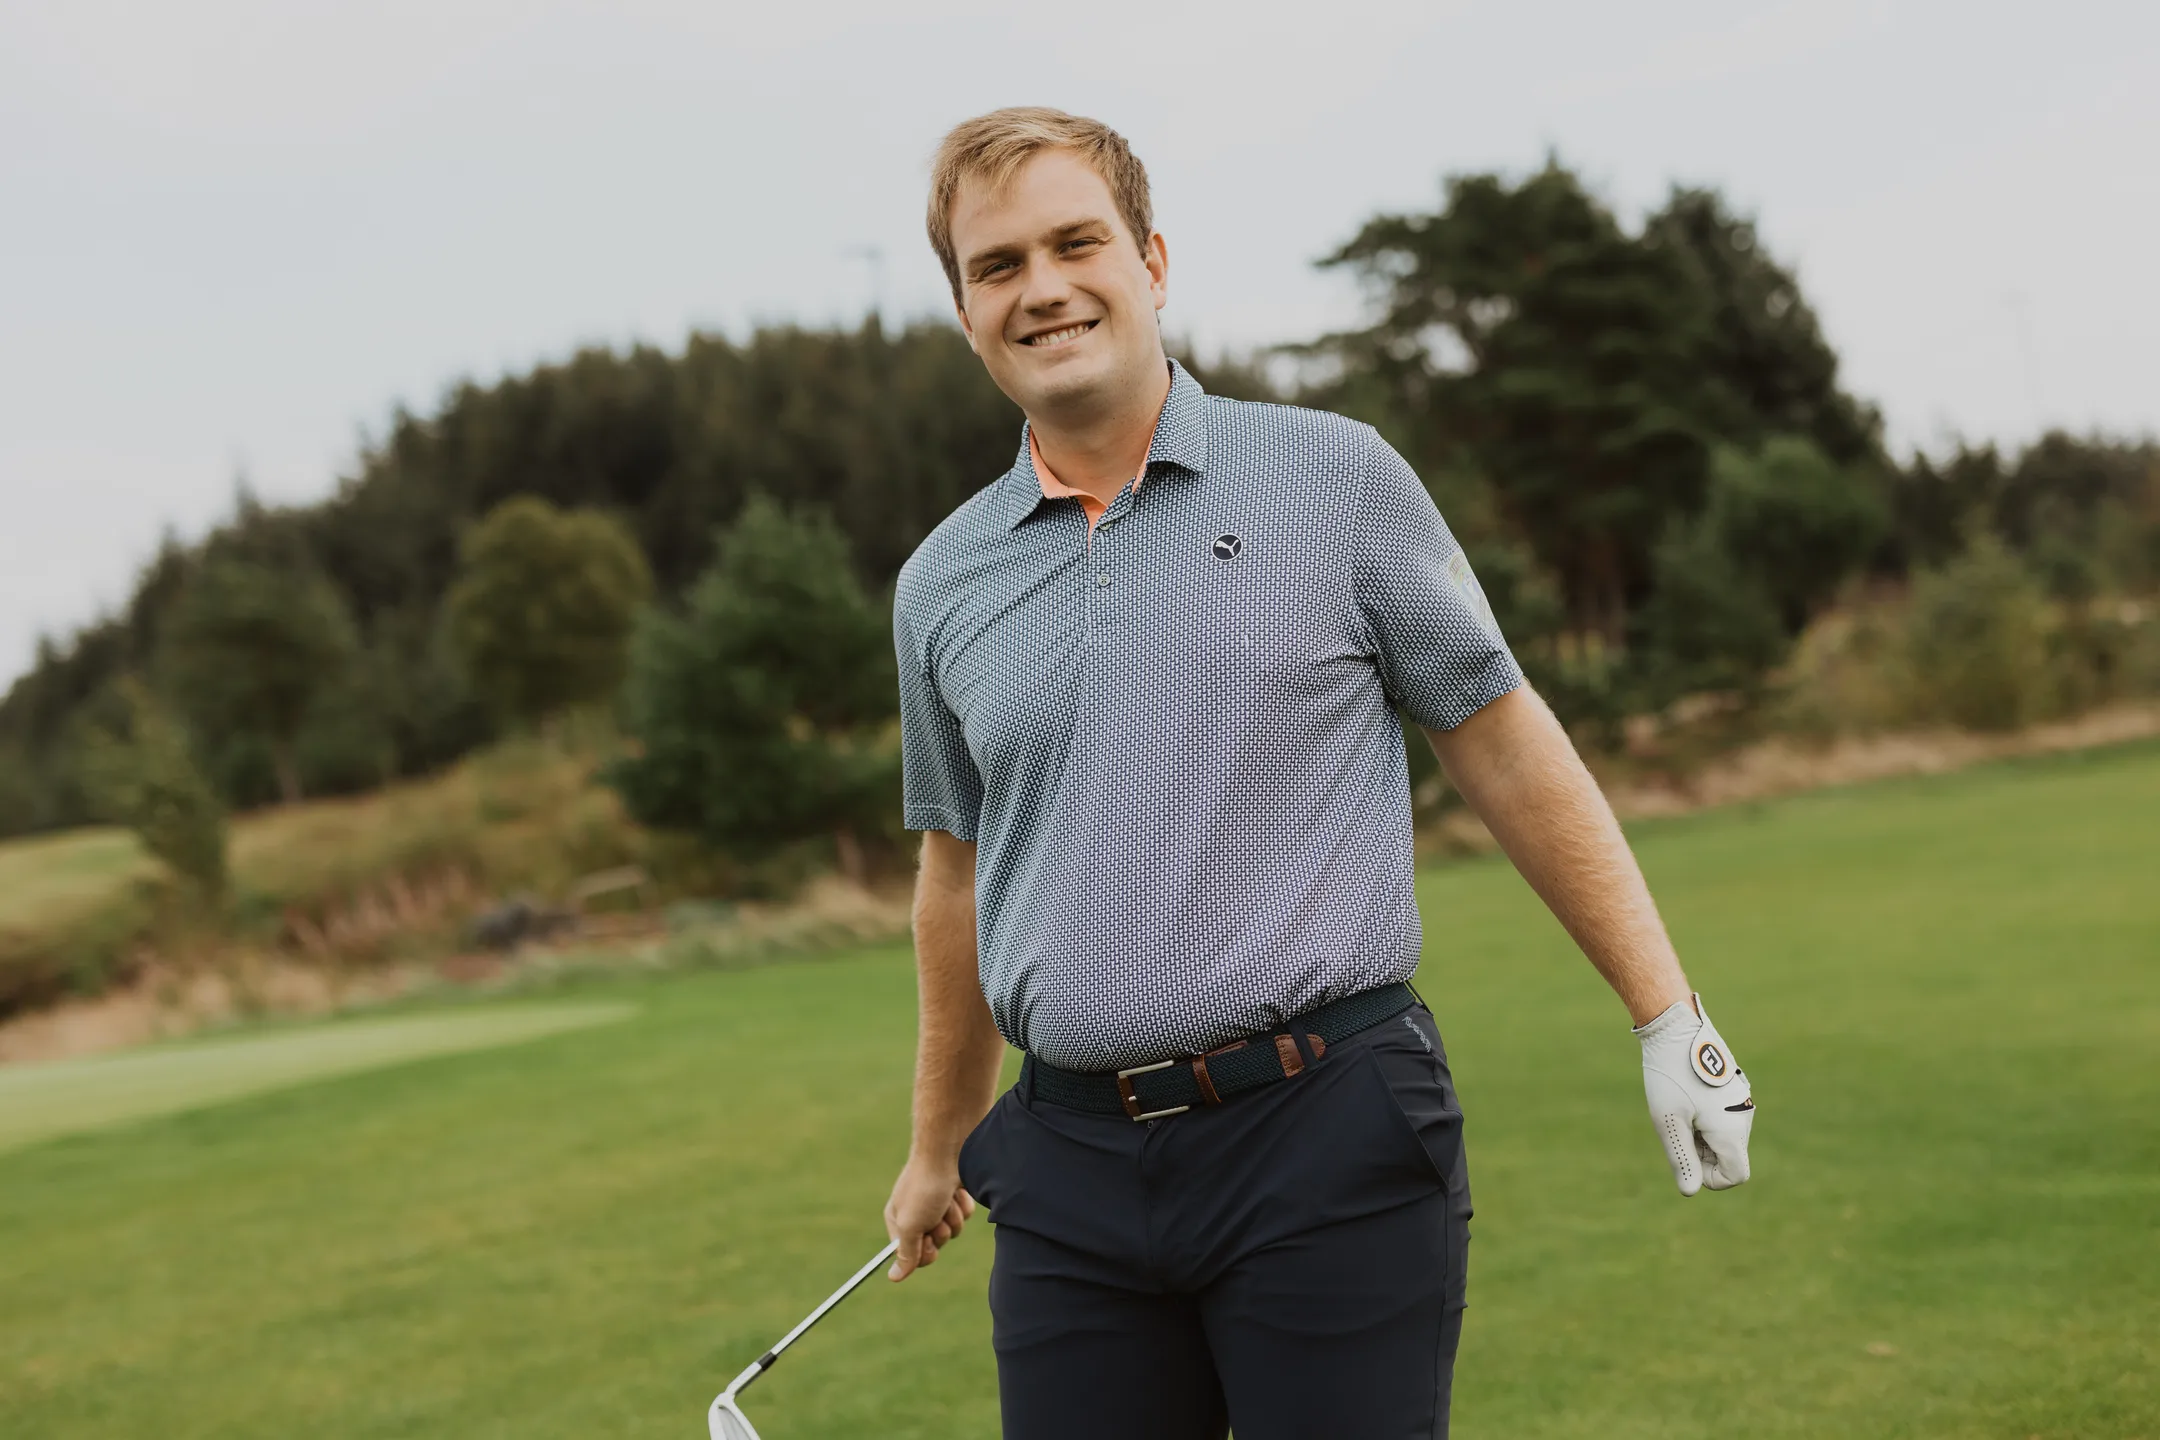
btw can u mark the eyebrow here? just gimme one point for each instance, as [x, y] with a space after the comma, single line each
[1006, 252]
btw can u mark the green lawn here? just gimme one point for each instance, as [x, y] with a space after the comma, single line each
[39, 1101]
[1946, 991]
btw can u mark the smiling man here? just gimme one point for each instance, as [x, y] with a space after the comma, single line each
[1149, 683]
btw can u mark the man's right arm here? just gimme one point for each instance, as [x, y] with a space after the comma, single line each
[957, 1058]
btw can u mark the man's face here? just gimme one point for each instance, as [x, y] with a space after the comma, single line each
[1055, 296]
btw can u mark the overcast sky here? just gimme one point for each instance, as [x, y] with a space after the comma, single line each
[234, 235]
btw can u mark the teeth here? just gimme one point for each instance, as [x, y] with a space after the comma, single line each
[1059, 337]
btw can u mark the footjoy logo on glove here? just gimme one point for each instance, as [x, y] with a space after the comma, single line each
[1710, 1063]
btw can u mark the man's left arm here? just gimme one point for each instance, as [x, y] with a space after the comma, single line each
[1518, 770]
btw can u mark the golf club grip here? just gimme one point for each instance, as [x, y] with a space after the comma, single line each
[892, 1248]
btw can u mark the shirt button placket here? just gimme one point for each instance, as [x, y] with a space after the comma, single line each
[1101, 542]
[1090, 591]
[1104, 565]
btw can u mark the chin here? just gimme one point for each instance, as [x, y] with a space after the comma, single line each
[1068, 382]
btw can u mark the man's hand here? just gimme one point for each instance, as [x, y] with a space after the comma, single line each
[927, 1209]
[1700, 1100]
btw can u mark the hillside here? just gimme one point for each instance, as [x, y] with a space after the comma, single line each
[348, 885]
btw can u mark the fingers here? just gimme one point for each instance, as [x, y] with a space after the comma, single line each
[1727, 1146]
[921, 1237]
[949, 1225]
[906, 1258]
[1679, 1138]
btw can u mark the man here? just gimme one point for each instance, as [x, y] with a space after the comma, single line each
[1149, 683]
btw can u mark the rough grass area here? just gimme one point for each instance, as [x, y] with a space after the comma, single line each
[522, 815]
[340, 883]
[50, 882]
[1947, 992]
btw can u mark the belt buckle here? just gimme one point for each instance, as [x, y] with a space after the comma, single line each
[1131, 1098]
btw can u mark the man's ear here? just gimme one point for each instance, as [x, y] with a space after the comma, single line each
[965, 328]
[1156, 256]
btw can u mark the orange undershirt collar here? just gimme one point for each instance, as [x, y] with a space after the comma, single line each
[1056, 489]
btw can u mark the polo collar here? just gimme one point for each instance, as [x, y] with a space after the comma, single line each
[1180, 440]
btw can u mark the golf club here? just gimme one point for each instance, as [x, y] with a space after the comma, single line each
[726, 1420]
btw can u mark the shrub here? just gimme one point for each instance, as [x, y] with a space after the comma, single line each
[1976, 641]
[544, 605]
[1795, 521]
[251, 648]
[1848, 672]
[764, 713]
[2141, 656]
[1712, 623]
[147, 780]
[2094, 652]
[1781, 529]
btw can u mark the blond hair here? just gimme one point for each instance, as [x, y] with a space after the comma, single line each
[992, 148]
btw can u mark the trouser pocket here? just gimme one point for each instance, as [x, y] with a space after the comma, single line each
[1411, 1065]
[978, 1167]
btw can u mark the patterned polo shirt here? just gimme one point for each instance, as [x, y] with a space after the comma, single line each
[1173, 739]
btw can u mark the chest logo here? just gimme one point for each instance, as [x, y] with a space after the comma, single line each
[1228, 547]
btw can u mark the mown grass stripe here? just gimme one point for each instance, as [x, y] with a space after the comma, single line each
[38, 1102]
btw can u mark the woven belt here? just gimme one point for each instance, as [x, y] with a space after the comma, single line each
[1171, 1087]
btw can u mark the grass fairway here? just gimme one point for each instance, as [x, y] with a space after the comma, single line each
[39, 1101]
[1946, 991]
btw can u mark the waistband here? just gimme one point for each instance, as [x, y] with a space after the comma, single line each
[1171, 1087]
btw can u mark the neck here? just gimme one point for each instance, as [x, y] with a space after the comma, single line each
[1102, 447]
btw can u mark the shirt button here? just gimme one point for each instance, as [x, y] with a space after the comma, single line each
[1102, 580]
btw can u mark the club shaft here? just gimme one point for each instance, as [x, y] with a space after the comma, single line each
[892, 1248]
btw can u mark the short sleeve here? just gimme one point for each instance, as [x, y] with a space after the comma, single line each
[940, 786]
[1432, 632]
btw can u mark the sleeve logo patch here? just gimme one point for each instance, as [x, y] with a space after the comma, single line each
[1712, 1066]
[1465, 581]
[1227, 547]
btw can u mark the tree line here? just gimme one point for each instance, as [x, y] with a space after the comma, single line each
[1638, 431]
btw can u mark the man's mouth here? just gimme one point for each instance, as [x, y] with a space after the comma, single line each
[1049, 339]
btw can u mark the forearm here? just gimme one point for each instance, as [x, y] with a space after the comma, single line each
[958, 1049]
[1518, 770]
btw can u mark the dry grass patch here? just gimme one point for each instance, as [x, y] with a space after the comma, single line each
[53, 880]
[363, 882]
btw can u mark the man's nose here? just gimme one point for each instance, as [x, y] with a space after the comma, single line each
[1046, 286]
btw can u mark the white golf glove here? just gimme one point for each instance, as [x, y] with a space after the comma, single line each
[1699, 1096]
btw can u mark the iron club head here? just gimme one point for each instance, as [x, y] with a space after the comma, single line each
[726, 1420]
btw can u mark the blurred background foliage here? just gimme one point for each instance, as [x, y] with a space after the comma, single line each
[543, 607]
[764, 712]
[1637, 430]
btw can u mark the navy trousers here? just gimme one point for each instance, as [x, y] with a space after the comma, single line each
[1289, 1264]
